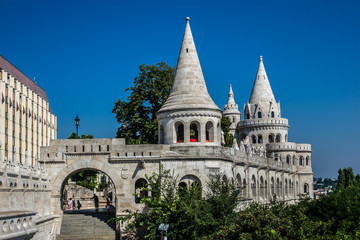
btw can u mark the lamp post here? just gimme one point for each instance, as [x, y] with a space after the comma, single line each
[163, 229]
[77, 121]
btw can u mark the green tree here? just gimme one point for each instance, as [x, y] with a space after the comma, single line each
[75, 136]
[225, 126]
[137, 115]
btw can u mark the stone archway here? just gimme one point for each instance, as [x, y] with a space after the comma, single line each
[73, 167]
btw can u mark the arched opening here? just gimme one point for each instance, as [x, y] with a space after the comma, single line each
[182, 189]
[140, 192]
[266, 189]
[307, 161]
[262, 187]
[288, 159]
[278, 138]
[233, 119]
[253, 186]
[244, 191]
[272, 114]
[242, 137]
[260, 139]
[247, 116]
[286, 187]
[306, 188]
[209, 132]
[271, 138]
[253, 139]
[272, 187]
[192, 184]
[259, 115]
[301, 160]
[194, 132]
[278, 187]
[161, 134]
[179, 129]
[88, 190]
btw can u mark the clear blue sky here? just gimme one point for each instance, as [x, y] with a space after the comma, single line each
[85, 53]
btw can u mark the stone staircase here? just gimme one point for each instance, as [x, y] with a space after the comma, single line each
[86, 225]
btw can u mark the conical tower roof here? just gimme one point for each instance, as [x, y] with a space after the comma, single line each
[189, 89]
[261, 91]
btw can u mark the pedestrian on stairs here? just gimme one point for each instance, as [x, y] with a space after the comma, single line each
[78, 204]
[69, 203]
[96, 202]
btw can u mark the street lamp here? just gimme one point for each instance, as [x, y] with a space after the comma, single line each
[77, 121]
[163, 229]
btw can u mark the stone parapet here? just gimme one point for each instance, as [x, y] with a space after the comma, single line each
[17, 225]
[263, 122]
[289, 146]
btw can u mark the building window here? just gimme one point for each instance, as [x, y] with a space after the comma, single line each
[272, 115]
[247, 116]
[233, 119]
[306, 188]
[99, 148]
[179, 128]
[288, 159]
[253, 138]
[194, 132]
[260, 139]
[140, 192]
[301, 160]
[161, 137]
[210, 132]
[259, 115]
[107, 148]
[278, 138]
[271, 138]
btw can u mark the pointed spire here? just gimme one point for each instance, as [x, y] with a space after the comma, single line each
[189, 88]
[231, 106]
[261, 91]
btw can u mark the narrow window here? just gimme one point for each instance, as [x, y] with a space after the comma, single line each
[99, 148]
[259, 115]
[108, 148]
[83, 148]
[272, 114]
[260, 139]
[118, 154]
[253, 139]
[67, 148]
[187, 50]
[91, 148]
[125, 154]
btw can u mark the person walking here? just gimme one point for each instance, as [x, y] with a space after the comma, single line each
[96, 202]
[69, 203]
[78, 204]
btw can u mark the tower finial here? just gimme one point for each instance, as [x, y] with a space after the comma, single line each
[187, 19]
[261, 57]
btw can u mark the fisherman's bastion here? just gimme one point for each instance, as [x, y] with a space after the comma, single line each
[35, 166]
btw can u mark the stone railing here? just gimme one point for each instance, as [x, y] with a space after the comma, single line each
[253, 122]
[17, 225]
[288, 146]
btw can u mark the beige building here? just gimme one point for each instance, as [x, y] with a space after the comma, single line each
[26, 120]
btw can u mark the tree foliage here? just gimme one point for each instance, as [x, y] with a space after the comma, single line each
[216, 214]
[225, 127]
[75, 136]
[137, 115]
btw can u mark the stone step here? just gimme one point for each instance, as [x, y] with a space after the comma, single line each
[88, 225]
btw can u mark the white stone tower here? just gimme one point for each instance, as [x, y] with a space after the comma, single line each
[189, 115]
[231, 110]
[262, 116]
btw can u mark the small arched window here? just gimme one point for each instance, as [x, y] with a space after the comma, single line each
[247, 116]
[140, 192]
[179, 128]
[194, 132]
[161, 137]
[209, 132]
[259, 115]
[301, 160]
[271, 138]
[306, 188]
[233, 119]
[253, 137]
[288, 159]
[260, 139]
[272, 114]
[278, 138]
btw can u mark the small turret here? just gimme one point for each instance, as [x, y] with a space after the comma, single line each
[231, 110]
